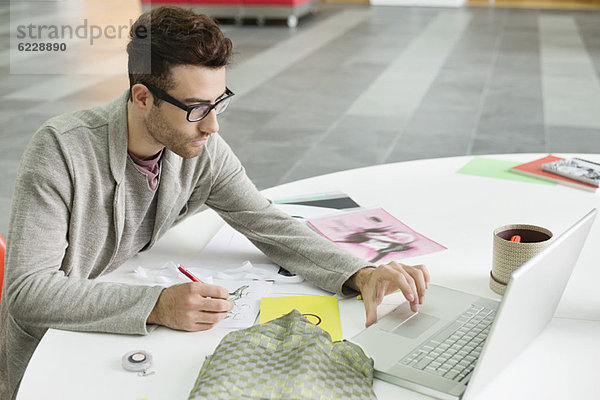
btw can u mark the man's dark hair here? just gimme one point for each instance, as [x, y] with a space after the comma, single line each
[168, 36]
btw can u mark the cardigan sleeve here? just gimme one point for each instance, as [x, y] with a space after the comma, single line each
[41, 292]
[287, 241]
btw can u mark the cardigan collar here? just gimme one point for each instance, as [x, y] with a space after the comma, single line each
[117, 135]
[169, 187]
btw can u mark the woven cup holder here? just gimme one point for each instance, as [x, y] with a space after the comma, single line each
[510, 255]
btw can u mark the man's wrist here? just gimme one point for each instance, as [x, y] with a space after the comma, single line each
[360, 277]
[154, 317]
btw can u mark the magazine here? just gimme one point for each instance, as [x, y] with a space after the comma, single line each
[534, 169]
[576, 168]
[374, 235]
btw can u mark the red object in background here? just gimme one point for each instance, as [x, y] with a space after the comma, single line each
[214, 2]
[288, 3]
[285, 3]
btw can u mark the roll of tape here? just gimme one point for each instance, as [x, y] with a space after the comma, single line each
[137, 361]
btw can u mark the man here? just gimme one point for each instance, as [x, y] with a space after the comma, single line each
[96, 187]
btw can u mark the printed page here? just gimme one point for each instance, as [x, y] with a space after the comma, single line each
[374, 235]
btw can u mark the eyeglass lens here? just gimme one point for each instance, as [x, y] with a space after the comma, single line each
[202, 110]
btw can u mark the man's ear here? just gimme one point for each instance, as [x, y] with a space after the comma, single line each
[142, 98]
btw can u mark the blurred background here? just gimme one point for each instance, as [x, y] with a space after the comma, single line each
[323, 86]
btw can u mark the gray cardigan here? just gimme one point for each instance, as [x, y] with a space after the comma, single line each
[67, 223]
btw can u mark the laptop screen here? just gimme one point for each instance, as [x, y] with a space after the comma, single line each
[529, 303]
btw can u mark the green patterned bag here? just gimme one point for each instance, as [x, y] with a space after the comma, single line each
[287, 358]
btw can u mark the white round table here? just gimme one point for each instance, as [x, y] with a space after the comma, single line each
[456, 210]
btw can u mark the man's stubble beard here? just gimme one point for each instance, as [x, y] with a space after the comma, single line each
[165, 134]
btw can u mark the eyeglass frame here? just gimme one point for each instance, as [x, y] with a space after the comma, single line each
[161, 94]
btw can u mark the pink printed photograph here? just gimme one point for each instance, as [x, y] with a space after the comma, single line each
[374, 235]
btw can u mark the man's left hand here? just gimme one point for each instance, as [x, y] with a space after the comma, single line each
[375, 283]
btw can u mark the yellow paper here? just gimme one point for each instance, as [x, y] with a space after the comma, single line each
[320, 310]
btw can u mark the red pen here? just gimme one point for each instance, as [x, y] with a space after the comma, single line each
[188, 273]
[193, 278]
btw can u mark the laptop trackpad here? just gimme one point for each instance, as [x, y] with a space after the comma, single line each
[414, 326]
[402, 321]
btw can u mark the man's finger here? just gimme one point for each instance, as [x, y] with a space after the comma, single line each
[202, 327]
[419, 279]
[414, 304]
[426, 274]
[411, 282]
[206, 317]
[215, 305]
[216, 292]
[396, 275]
[371, 309]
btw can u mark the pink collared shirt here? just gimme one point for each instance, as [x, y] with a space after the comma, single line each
[151, 168]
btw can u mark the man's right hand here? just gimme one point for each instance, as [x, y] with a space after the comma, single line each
[193, 306]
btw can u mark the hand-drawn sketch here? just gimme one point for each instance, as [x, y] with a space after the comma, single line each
[238, 293]
[246, 297]
[239, 309]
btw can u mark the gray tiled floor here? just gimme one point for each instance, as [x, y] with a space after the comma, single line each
[356, 85]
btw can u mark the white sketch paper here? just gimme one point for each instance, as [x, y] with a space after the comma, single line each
[246, 297]
[245, 293]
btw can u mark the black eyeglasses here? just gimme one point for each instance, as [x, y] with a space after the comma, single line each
[197, 111]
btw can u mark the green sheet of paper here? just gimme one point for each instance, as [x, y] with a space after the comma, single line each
[499, 169]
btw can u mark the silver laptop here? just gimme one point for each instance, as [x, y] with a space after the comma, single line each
[457, 342]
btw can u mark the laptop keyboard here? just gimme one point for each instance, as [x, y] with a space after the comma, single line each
[453, 352]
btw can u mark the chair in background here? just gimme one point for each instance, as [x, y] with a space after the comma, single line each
[2, 252]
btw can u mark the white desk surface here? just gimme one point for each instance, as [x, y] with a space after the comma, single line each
[458, 211]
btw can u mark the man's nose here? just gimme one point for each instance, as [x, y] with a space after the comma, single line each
[209, 123]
